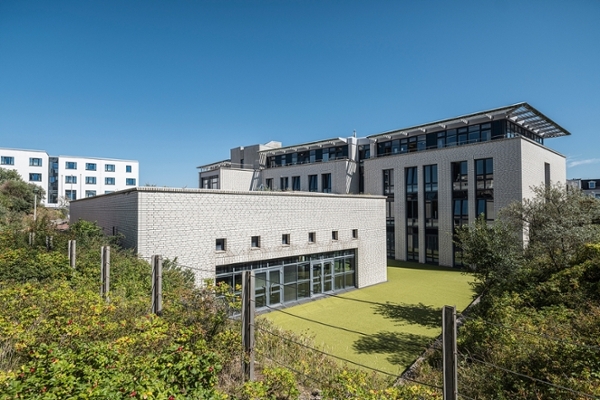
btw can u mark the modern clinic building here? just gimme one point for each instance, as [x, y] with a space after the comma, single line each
[324, 216]
[435, 176]
[70, 178]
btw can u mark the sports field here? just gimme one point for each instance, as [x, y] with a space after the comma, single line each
[385, 326]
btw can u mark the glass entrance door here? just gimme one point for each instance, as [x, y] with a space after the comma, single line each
[317, 277]
[267, 288]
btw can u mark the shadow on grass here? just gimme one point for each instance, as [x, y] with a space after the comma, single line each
[420, 314]
[401, 348]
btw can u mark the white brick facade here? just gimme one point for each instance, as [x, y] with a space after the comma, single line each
[186, 224]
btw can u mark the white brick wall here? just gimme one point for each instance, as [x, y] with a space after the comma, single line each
[186, 223]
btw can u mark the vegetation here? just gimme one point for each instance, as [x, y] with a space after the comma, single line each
[535, 332]
[60, 339]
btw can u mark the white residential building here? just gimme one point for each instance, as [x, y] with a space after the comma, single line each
[70, 177]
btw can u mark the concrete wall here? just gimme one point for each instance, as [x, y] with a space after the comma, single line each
[186, 223]
[518, 164]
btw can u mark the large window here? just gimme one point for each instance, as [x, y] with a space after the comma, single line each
[90, 166]
[269, 183]
[130, 181]
[430, 173]
[35, 162]
[90, 180]
[210, 182]
[388, 181]
[35, 177]
[326, 183]
[460, 203]
[313, 183]
[70, 179]
[71, 194]
[109, 181]
[484, 170]
[284, 183]
[412, 214]
[4, 160]
[295, 183]
[109, 168]
[70, 165]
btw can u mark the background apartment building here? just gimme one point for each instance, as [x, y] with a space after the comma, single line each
[435, 176]
[69, 177]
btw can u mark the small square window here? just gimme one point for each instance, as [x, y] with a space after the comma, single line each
[109, 168]
[128, 168]
[255, 242]
[285, 239]
[312, 236]
[354, 233]
[220, 244]
[334, 235]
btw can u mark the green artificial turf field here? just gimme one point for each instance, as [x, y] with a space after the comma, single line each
[385, 326]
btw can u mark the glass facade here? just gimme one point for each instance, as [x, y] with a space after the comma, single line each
[412, 215]
[460, 202]
[285, 280]
[431, 214]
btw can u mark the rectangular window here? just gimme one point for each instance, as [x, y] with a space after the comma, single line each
[109, 181]
[130, 181]
[313, 183]
[388, 181]
[255, 241]
[592, 184]
[220, 245]
[90, 193]
[334, 235]
[90, 180]
[269, 183]
[70, 165]
[35, 162]
[285, 239]
[296, 183]
[90, 166]
[35, 177]
[354, 233]
[210, 182]
[484, 194]
[284, 183]
[71, 194]
[326, 183]
[109, 168]
[128, 168]
[547, 176]
[7, 160]
[412, 214]
[70, 179]
[312, 237]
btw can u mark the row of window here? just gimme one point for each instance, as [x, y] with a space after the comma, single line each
[72, 194]
[255, 241]
[455, 137]
[37, 162]
[91, 180]
[93, 166]
[313, 183]
[309, 156]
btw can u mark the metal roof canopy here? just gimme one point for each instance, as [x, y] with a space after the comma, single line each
[521, 114]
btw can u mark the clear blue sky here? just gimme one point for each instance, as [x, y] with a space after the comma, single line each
[176, 84]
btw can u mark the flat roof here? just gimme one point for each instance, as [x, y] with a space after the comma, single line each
[521, 114]
[306, 146]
